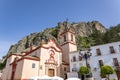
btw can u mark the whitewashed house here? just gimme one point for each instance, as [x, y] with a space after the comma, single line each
[106, 54]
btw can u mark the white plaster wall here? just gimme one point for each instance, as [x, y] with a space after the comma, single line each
[65, 54]
[44, 56]
[28, 71]
[67, 48]
[77, 63]
[4, 74]
[19, 69]
[106, 56]
[105, 48]
[72, 75]
[7, 72]
[8, 68]
[72, 47]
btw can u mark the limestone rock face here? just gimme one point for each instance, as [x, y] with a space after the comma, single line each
[81, 28]
[85, 29]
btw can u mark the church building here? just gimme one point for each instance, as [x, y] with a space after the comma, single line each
[47, 59]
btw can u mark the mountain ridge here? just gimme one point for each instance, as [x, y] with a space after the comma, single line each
[80, 28]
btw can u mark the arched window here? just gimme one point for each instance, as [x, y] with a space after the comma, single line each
[74, 58]
[71, 37]
[64, 38]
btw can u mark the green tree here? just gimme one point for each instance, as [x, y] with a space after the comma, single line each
[112, 34]
[106, 71]
[97, 37]
[2, 65]
[84, 42]
[84, 70]
[55, 31]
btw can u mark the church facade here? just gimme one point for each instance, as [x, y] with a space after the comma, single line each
[43, 60]
[47, 59]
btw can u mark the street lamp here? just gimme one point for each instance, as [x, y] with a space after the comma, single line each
[86, 55]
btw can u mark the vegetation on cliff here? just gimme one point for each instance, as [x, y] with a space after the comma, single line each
[96, 38]
[87, 34]
[82, 30]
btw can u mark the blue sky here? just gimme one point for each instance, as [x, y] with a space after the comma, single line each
[19, 18]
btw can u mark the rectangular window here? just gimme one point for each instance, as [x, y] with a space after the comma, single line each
[98, 51]
[115, 61]
[101, 63]
[74, 58]
[80, 58]
[33, 65]
[112, 49]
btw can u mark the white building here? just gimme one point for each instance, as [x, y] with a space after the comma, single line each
[106, 54]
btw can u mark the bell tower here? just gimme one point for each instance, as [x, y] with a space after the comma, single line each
[67, 40]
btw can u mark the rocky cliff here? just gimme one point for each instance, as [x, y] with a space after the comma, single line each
[81, 28]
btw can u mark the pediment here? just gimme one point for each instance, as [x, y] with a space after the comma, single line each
[52, 44]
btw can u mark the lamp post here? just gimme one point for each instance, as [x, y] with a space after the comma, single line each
[86, 55]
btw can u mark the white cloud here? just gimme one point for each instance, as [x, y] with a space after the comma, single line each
[4, 47]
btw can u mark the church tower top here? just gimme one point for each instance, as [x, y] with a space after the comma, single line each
[65, 27]
[67, 40]
[66, 33]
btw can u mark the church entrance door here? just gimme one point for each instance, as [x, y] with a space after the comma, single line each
[51, 72]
